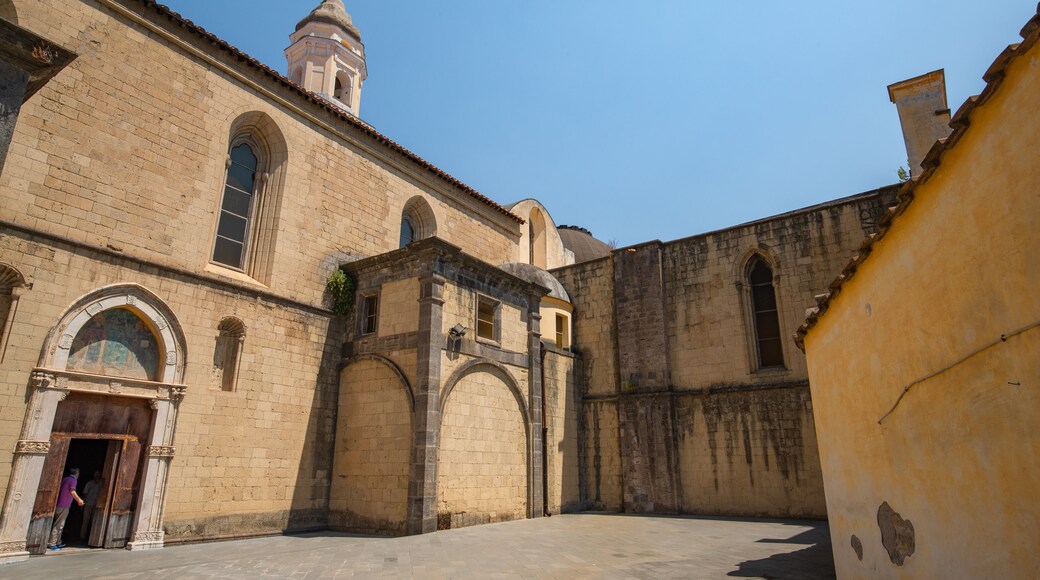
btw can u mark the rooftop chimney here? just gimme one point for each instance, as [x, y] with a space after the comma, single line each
[923, 113]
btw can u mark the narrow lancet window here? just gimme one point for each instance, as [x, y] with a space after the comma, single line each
[767, 321]
[240, 189]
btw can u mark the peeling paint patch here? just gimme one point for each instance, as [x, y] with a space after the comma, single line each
[897, 534]
[857, 546]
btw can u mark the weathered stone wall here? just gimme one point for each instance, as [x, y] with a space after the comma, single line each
[369, 491]
[562, 436]
[482, 459]
[687, 397]
[591, 288]
[751, 452]
[253, 460]
[399, 307]
[709, 312]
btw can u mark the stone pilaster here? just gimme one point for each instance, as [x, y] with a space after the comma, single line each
[535, 476]
[27, 468]
[148, 525]
[422, 488]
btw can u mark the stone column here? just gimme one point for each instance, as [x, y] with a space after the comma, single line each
[422, 487]
[148, 531]
[535, 489]
[29, 455]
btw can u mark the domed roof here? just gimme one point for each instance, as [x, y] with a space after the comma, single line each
[581, 242]
[332, 12]
[538, 276]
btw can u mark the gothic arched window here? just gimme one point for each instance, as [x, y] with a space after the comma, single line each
[241, 190]
[408, 233]
[766, 318]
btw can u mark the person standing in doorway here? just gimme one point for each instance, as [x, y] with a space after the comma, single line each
[90, 497]
[66, 493]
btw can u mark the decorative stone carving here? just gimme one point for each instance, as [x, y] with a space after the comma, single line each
[161, 450]
[177, 394]
[161, 323]
[94, 309]
[148, 537]
[65, 342]
[62, 382]
[12, 547]
[131, 300]
[30, 447]
[41, 380]
[115, 386]
[171, 358]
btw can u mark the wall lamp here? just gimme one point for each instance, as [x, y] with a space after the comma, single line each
[457, 331]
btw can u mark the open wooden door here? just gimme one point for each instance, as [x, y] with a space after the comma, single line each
[47, 496]
[108, 476]
[121, 510]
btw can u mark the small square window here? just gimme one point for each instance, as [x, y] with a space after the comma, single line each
[369, 314]
[561, 331]
[487, 314]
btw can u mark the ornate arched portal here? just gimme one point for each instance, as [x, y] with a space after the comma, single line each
[122, 347]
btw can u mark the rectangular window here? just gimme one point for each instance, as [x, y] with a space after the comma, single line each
[487, 311]
[370, 314]
[561, 331]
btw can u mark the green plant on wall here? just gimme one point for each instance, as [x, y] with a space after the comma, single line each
[341, 287]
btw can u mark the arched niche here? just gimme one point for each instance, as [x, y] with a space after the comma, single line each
[537, 240]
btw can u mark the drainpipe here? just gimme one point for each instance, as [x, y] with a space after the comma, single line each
[545, 439]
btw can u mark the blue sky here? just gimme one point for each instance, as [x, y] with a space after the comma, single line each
[647, 120]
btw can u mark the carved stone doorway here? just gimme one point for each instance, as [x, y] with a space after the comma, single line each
[118, 357]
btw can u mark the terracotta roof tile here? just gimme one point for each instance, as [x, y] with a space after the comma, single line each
[960, 123]
[315, 98]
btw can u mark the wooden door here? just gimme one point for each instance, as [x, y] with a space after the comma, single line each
[47, 496]
[101, 510]
[121, 510]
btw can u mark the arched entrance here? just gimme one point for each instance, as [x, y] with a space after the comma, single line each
[109, 378]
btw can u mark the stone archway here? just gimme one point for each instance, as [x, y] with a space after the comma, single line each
[484, 456]
[52, 381]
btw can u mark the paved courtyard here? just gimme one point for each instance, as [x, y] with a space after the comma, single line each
[564, 547]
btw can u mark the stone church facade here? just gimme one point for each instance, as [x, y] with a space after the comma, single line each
[172, 212]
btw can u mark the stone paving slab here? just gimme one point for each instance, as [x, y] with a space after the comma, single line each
[563, 547]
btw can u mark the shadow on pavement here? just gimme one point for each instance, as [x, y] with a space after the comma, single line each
[814, 562]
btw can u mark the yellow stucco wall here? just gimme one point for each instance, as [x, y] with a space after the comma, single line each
[958, 455]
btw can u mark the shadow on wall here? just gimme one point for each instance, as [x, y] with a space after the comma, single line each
[7, 11]
[811, 563]
[310, 501]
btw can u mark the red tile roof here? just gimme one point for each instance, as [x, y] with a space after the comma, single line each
[317, 99]
[960, 123]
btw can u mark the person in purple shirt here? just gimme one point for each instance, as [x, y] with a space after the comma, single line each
[66, 493]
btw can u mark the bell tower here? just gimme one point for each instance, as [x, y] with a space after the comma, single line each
[326, 56]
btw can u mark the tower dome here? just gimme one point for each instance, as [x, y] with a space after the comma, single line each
[326, 55]
[332, 12]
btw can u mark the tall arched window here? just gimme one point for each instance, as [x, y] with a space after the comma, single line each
[231, 335]
[766, 319]
[407, 230]
[241, 189]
